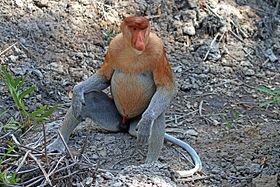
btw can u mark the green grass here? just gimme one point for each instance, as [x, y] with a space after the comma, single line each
[18, 92]
[273, 94]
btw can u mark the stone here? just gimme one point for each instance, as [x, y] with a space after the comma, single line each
[265, 181]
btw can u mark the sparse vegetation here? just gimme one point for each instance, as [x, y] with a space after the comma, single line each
[7, 178]
[273, 96]
[18, 94]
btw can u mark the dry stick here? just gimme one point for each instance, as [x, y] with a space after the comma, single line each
[213, 12]
[84, 145]
[22, 161]
[52, 172]
[65, 144]
[42, 169]
[9, 155]
[35, 182]
[66, 176]
[195, 178]
[240, 39]
[7, 49]
[28, 170]
[210, 47]
[66, 167]
[249, 54]
[31, 180]
[45, 144]
[26, 131]
[200, 107]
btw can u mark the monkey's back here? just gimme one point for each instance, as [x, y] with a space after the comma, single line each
[132, 92]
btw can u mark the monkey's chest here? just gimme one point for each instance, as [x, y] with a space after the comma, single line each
[132, 92]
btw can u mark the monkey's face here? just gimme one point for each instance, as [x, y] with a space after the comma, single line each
[136, 32]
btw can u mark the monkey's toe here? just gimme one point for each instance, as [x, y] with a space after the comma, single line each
[142, 139]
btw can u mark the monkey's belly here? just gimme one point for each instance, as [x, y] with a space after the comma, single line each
[132, 93]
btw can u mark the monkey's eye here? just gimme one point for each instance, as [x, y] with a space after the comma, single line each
[134, 28]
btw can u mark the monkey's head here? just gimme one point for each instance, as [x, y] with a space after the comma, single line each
[136, 32]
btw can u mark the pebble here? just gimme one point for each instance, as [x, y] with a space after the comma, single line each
[13, 58]
[88, 180]
[192, 132]
[265, 181]
[248, 72]
[189, 29]
[58, 67]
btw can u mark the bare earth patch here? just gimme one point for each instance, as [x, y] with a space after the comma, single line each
[219, 51]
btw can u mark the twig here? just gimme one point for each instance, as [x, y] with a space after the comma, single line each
[210, 47]
[31, 180]
[52, 172]
[35, 182]
[66, 167]
[200, 107]
[28, 170]
[213, 12]
[26, 131]
[42, 169]
[66, 176]
[9, 155]
[22, 161]
[276, 8]
[84, 145]
[249, 54]
[195, 178]
[7, 49]
[45, 144]
[65, 144]
[240, 39]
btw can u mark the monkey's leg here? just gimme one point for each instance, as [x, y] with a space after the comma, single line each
[102, 110]
[98, 107]
[156, 139]
[68, 125]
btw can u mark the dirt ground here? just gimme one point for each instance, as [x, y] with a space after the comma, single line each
[59, 43]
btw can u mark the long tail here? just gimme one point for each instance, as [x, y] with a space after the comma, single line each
[191, 152]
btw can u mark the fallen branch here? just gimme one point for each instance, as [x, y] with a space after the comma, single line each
[42, 168]
[65, 144]
[7, 49]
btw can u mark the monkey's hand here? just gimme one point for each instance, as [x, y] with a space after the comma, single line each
[143, 130]
[77, 101]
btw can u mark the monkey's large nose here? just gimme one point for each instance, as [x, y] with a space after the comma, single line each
[140, 42]
[140, 46]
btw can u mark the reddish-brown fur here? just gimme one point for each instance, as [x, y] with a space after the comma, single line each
[129, 90]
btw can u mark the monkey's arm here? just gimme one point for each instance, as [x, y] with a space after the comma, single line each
[163, 78]
[96, 82]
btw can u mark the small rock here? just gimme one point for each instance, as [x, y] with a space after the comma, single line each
[88, 180]
[118, 183]
[189, 28]
[254, 168]
[41, 3]
[246, 63]
[192, 132]
[38, 73]
[216, 170]
[19, 3]
[58, 67]
[248, 72]
[13, 58]
[177, 24]
[265, 181]
[19, 70]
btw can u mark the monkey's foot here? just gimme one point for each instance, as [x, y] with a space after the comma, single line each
[56, 146]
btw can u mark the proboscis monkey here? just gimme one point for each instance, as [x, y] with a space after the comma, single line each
[142, 87]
